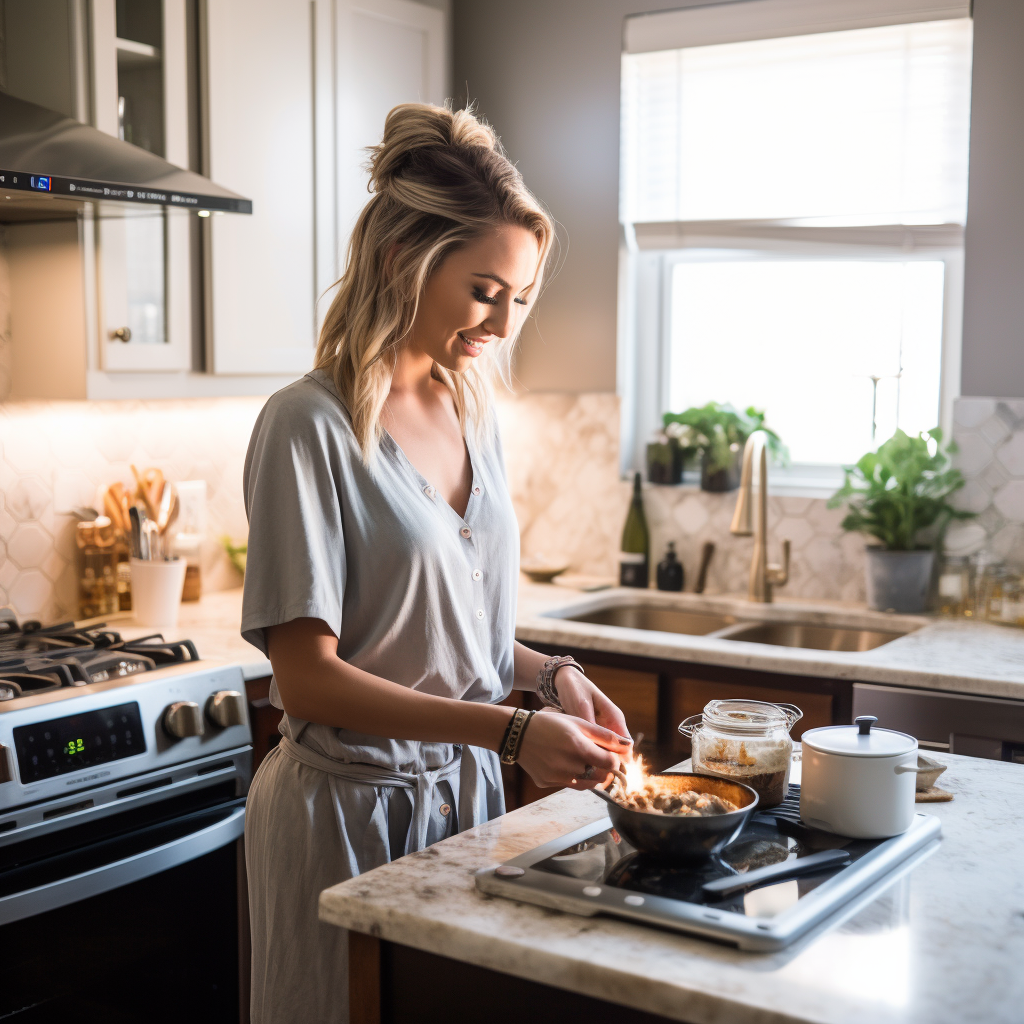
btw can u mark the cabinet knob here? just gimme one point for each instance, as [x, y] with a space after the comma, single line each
[122, 334]
[183, 718]
[226, 707]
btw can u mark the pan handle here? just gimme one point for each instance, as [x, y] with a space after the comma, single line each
[824, 860]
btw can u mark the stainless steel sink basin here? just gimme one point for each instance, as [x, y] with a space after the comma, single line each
[815, 638]
[652, 616]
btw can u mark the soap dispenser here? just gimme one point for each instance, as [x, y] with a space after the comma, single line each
[670, 570]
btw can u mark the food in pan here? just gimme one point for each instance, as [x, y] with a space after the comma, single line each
[694, 804]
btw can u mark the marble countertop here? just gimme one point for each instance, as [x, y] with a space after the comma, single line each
[942, 944]
[935, 654]
[939, 654]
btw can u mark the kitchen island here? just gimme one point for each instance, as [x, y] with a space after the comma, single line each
[941, 944]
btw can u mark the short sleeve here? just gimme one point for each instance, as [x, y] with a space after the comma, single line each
[295, 565]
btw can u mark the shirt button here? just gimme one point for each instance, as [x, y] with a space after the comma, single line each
[477, 574]
[428, 491]
[479, 613]
[445, 810]
[476, 490]
[466, 532]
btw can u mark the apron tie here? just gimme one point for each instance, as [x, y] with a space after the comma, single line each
[424, 783]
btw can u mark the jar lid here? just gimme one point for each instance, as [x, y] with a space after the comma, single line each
[750, 716]
[859, 740]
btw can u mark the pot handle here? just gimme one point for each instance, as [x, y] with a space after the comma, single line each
[792, 712]
[690, 725]
[904, 769]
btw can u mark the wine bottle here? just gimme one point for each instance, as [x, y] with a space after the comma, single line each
[635, 554]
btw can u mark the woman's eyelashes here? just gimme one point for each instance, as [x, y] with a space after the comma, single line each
[492, 300]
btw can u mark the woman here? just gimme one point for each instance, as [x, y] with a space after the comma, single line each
[383, 559]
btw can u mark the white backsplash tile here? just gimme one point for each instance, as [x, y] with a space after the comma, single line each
[562, 457]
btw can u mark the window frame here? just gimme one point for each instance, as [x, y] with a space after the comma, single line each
[648, 255]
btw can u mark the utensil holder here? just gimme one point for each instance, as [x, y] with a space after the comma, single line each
[156, 591]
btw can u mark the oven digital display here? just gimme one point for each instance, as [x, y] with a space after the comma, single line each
[63, 745]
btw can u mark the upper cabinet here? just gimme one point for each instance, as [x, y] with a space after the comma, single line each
[276, 100]
[140, 70]
[260, 142]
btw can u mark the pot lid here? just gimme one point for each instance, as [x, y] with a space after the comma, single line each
[859, 740]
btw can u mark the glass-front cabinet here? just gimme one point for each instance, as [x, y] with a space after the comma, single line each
[141, 62]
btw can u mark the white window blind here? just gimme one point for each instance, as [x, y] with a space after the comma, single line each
[865, 126]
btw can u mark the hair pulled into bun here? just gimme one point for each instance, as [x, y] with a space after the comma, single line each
[413, 127]
[439, 179]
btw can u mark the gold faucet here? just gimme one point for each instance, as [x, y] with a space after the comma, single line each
[762, 575]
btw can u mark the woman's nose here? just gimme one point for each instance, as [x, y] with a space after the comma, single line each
[501, 320]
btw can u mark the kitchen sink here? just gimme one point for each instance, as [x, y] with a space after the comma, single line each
[658, 617]
[810, 637]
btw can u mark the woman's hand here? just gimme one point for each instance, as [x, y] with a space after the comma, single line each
[558, 750]
[580, 697]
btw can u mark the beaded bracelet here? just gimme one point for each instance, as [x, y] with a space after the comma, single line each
[546, 680]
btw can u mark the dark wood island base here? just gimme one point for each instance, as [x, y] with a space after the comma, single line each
[394, 984]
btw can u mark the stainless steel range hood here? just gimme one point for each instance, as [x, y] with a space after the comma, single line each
[49, 161]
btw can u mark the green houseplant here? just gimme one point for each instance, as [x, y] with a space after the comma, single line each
[718, 432]
[899, 495]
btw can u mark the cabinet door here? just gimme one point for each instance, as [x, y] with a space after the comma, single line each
[386, 52]
[258, 93]
[140, 94]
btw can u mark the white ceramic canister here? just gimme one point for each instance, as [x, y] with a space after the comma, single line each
[858, 781]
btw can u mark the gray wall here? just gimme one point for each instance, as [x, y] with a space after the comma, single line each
[993, 353]
[546, 74]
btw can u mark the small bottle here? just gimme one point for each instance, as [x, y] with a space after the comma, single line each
[670, 570]
[634, 557]
[954, 586]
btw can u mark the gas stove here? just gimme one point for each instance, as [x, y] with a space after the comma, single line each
[124, 769]
[594, 870]
[36, 659]
[82, 710]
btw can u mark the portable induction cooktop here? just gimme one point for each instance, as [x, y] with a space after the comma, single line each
[594, 870]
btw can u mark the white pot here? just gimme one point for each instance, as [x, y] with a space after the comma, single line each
[857, 781]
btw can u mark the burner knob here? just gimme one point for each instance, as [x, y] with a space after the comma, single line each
[226, 707]
[183, 718]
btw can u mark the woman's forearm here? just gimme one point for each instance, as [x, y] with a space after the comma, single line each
[317, 686]
[528, 664]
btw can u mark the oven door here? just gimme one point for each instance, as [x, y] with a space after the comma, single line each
[131, 917]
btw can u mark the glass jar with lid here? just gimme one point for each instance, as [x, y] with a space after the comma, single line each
[745, 741]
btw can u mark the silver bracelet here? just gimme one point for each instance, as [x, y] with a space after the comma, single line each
[546, 680]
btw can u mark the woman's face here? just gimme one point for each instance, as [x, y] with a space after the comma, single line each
[478, 295]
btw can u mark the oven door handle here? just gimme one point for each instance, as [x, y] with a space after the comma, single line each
[118, 873]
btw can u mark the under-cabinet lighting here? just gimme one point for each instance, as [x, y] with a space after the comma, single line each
[204, 213]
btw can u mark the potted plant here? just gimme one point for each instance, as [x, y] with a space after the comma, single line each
[899, 495]
[718, 433]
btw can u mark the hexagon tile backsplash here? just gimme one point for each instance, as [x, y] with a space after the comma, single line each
[990, 435]
[53, 455]
[562, 456]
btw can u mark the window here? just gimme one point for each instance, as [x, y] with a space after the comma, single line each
[793, 211]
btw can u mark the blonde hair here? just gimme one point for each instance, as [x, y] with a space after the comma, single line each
[439, 179]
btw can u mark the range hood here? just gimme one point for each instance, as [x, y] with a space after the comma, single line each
[48, 160]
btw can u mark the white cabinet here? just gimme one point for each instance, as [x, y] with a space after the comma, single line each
[385, 52]
[261, 280]
[275, 100]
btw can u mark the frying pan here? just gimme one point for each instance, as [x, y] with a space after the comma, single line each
[683, 837]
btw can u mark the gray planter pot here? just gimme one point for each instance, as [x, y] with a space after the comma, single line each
[898, 581]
